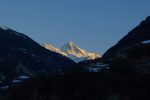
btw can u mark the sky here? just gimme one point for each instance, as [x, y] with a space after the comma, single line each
[94, 25]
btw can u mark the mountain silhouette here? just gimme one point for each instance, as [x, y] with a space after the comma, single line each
[20, 55]
[135, 36]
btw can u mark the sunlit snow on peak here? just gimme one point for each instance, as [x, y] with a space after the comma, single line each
[72, 51]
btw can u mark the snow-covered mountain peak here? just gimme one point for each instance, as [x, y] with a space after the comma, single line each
[72, 48]
[73, 51]
[70, 45]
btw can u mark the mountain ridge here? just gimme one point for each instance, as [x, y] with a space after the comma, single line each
[138, 34]
[20, 55]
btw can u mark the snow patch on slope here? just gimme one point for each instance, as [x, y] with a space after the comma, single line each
[146, 42]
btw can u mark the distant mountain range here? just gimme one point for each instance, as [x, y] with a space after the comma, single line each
[122, 73]
[72, 51]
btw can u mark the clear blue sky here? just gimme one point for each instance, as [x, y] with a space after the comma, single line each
[94, 25]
